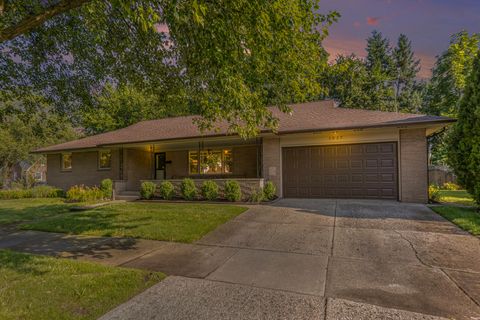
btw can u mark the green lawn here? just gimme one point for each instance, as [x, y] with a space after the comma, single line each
[38, 287]
[29, 209]
[182, 222]
[456, 196]
[466, 218]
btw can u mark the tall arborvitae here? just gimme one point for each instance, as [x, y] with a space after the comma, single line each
[464, 142]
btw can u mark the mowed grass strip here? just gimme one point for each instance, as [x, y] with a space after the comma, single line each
[466, 218]
[180, 222]
[39, 287]
[18, 210]
[456, 196]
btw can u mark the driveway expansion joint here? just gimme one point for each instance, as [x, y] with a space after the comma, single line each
[460, 287]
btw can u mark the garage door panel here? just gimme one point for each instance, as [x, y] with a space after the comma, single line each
[345, 171]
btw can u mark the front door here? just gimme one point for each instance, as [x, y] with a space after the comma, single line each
[160, 166]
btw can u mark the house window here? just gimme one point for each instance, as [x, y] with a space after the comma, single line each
[216, 161]
[66, 161]
[38, 176]
[104, 159]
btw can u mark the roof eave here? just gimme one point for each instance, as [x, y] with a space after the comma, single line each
[445, 121]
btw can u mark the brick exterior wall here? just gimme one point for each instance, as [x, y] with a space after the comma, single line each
[138, 164]
[272, 169]
[84, 170]
[413, 166]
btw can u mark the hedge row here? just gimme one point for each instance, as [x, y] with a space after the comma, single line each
[35, 192]
[208, 191]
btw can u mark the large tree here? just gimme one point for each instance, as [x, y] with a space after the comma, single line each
[405, 70]
[222, 60]
[121, 106]
[379, 65]
[385, 80]
[347, 81]
[451, 69]
[447, 86]
[464, 142]
[27, 125]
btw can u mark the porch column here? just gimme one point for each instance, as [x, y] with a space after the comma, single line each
[413, 166]
[271, 156]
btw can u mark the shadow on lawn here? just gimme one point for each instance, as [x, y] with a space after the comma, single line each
[99, 221]
[11, 214]
[67, 246]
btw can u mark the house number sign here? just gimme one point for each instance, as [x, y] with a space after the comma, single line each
[335, 137]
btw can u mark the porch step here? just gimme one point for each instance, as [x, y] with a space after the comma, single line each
[128, 196]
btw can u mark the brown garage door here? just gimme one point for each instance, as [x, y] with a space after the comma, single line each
[364, 171]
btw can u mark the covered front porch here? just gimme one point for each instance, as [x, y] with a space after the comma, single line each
[218, 159]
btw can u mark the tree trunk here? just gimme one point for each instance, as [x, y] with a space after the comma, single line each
[34, 21]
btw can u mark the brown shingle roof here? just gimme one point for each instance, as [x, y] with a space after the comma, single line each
[305, 117]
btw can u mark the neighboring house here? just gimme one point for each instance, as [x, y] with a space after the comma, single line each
[36, 172]
[319, 151]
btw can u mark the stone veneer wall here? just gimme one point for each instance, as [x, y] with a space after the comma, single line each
[248, 185]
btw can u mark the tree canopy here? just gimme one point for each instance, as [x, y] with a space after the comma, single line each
[450, 73]
[221, 60]
[385, 80]
[26, 125]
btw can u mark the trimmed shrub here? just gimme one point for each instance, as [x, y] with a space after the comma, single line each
[84, 194]
[147, 190]
[35, 192]
[433, 192]
[188, 189]
[233, 192]
[107, 188]
[269, 190]
[257, 195]
[210, 190]
[167, 191]
[450, 186]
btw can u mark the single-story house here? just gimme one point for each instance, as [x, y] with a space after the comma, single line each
[318, 151]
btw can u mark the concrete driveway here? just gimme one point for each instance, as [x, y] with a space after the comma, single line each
[317, 259]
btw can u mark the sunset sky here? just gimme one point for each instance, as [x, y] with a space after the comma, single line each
[428, 23]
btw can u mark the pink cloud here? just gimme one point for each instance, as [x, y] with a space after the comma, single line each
[373, 21]
[357, 24]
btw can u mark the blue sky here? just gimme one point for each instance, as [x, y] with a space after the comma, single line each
[428, 23]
